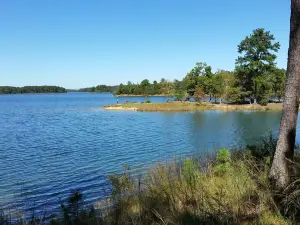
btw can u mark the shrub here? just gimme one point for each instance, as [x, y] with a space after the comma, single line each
[148, 100]
[190, 172]
[223, 161]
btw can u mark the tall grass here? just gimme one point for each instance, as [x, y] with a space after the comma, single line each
[221, 191]
[231, 188]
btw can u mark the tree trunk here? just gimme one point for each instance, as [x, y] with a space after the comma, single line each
[281, 170]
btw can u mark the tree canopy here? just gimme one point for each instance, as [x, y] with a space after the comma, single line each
[163, 87]
[99, 88]
[256, 64]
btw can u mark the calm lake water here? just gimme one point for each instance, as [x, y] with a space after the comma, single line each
[52, 144]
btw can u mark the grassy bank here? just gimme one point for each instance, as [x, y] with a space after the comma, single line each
[231, 188]
[190, 106]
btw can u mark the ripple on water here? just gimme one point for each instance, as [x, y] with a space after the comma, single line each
[53, 144]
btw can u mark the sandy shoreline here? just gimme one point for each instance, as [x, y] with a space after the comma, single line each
[119, 108]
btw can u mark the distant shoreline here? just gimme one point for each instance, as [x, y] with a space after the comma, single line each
[122, 95]
[49, 93]
[190, 107]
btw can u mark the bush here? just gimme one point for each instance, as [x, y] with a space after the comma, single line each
[223, 161]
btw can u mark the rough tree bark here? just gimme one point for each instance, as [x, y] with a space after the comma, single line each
[281, 170]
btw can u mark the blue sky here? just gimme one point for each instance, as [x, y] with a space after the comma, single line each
[84, 43]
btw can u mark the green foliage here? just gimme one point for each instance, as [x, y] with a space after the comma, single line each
[179, 95]
[218, 86]
[148, 100]
[257, 61]
[223, 155]
[278, 82]
[264, 148]
[258, 50]
[193, 78]
[99, 89]
[201, 82]
[234, 94]
[147, 88]
[31, 89]
[145, 83]
[198, 94]
[263, 88]
[268, 218]
[264, 99]
[179, 90]
[167, 88]
[256, 77]
[223, 161]
[190, 172]
[122, 184]
[190, 193]
[225, 86]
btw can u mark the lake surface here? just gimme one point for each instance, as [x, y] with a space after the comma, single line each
[52, 144]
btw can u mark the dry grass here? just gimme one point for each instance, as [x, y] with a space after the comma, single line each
[222, 191]
[190, 106]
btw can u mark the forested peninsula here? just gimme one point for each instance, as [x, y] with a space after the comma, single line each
[256, 77]
[31, 89]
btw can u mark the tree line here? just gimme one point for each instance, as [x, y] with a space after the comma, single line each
[256, 77]
[100, 89]
[31, 89]
[163, 87]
